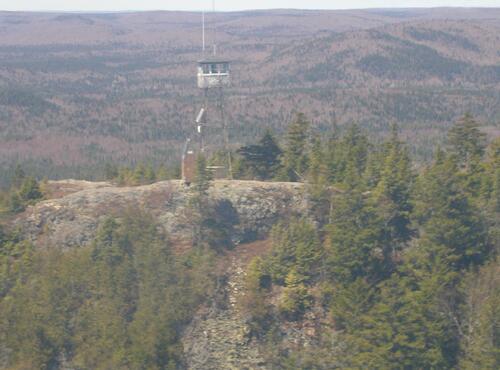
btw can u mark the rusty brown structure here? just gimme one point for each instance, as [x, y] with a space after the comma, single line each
[188, 166]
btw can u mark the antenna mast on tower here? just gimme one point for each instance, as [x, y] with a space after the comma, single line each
[203, 30]
[215, 28]
[213, 77]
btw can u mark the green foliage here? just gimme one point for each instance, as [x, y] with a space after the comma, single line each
[202, 179]
[466, 141]
[406, 266]
[392, 194]
[25, 190]
[30, 190]
[295, 298]
[211, 221]
[119, 303]
[452, 229]
[480, 324]
[15, 203]
[261, 160]
[140, 174]
[295, 246]
[399, 256]
[295, 155]
[254, 301]
[353, 244]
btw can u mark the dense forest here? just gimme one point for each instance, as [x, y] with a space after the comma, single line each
[403, 260]
[400, 261]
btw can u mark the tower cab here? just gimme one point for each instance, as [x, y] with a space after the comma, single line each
[213, 73]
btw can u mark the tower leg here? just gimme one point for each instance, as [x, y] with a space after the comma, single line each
[201, 128]
[225, 133]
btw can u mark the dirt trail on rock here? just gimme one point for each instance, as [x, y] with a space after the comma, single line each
[218, 337]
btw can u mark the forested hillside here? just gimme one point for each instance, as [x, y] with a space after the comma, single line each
[385, 265]
[397, 267]
[78, 90]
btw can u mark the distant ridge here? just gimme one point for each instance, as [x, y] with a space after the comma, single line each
[80, 88]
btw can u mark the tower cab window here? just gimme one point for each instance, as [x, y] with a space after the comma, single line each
[206, 69]
[223, 68]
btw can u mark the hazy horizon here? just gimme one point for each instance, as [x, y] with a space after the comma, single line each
[234, 5]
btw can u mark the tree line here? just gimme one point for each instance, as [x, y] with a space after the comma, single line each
[402, 261]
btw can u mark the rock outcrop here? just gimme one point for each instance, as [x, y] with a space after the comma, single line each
[218, 337]
[73, 216]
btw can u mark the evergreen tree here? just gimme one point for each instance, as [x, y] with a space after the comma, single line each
[355, 151]
[149, 174]
[19, 176]
[202, 178]
[110, 171]
[138, 174]
[402, 327]
[262, 159]
[333, 156]
[467, 142]
[295, 244]
[319, 192]
[30, 189]
[15, 203]
[254, 303]
[353, 240]
[452, 231]
[393, 194]
[295, 158]
[295, 298]
[480, 321]
[162, 173]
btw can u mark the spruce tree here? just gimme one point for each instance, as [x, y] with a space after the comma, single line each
[296, 245]
[355, 150]
[392, 195]
[19, 176]
[319, 192]
[467, 142]
[333, 156]
[262, 159]
[451, 227]
[203, 177]
[30, 189]
[480, 321]
[295, 158]
[353, 240]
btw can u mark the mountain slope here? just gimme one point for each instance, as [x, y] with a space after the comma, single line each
[77, 90]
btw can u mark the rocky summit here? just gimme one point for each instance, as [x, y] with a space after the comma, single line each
[76, 208]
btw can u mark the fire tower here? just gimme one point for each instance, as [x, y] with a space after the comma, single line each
[214, 76]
